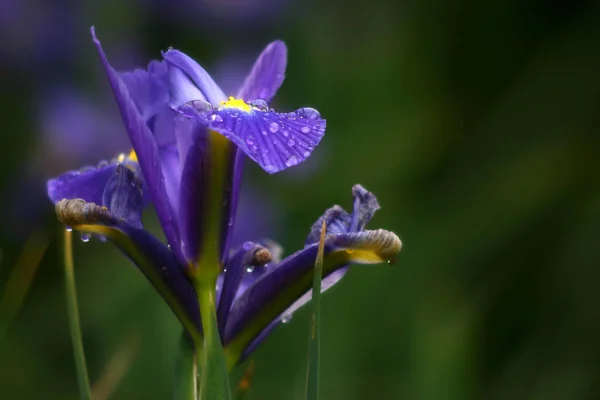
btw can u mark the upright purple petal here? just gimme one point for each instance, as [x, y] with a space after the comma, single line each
[124, 197]
[147, 88]
[234, 271]
[193, 198]
[232, 198]
[211, 91]
[267, 74]
[146, 149]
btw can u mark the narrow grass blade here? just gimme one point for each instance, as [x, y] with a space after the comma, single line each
[186, 371]
[73, 314]
[116, 368]
[312, 378]
[244, 383]
[214, 383]
[19, 282]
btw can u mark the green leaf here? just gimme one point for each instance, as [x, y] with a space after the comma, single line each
[312, 378]
[20, 279]
[214, 383]
[73, 314]
[186, 372]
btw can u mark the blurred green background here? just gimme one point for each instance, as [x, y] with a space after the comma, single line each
[476, 125]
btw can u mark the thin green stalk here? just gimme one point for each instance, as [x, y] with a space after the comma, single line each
[312, 378]
[214, 382]
[186, 370]
[73, 314]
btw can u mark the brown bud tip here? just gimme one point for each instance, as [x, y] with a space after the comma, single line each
[261, 256]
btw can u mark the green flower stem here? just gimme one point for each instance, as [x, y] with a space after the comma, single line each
[186, 370]
[73, 314]
[214, 383]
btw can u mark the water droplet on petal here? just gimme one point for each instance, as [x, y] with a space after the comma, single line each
[201, 106]
[308, 113]
[293, 160]
[216, 118]
[68, 228]
[273, 127]
[291, 116]
[250, 269]
[270, 169]
[85, 237]
[306, 153]
[264, 133]
[250, 140]
[286, 318]
[286, 133]
[291, 143]
[259, 104]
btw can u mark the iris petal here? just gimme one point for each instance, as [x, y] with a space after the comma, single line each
[267, 74]
[147, 88]
[153, 258]
[275, 141]
[146, 149]
[87, 184]
[211, 91]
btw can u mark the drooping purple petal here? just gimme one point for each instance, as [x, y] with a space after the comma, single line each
[280, 288]
[343, 231]
[203, 81]
[154, 259]
[275, 141]
[147, 88]
[146, 149]
[267, 74]
[86, 183]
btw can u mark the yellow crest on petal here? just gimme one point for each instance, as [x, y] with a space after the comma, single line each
[232, 102]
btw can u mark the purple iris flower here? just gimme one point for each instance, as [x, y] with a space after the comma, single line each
[189, 144]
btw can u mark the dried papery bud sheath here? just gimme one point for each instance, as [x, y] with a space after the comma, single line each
[260, 256]
[72, 212]
[379, 243]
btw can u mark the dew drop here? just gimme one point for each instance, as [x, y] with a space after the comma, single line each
[68, 228]
[286, 318]
[250, 269]
[216, 118]
[293, 160]
[250, 140]
[305, 129]
[201, 106]
[286, 133]
[306, 153]
[264, 133]
[273, 127]
[270, 169]
[291, 116]
[85, 237]
[291, 143]
[308, 113]
[259, 104]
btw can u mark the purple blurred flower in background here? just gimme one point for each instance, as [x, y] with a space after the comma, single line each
[189, 144]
